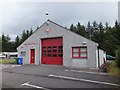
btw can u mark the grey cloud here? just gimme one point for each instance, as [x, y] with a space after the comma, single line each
[24, 15]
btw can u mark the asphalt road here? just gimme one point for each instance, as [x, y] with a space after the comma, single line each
[50, 76]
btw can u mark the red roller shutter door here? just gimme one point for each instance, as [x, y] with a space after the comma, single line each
[52, 51]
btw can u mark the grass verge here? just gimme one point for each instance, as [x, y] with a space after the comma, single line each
[114, 70]
[8, 61]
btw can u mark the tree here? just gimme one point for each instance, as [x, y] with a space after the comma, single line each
[31, 31]
[72, 28]
[23, 36]
[89, 30]
[12, 46]
[5, 43]
[80, 29]
[116, 31]
[95, 27]
[109, 43]
[27, 34]
[17, 42]
[101, 27]
[116, 24]
[106, 25]
[106, 36]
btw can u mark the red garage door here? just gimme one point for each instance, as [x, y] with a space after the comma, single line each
[52, 51]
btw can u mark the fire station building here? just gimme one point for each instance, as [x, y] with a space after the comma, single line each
[55, 45]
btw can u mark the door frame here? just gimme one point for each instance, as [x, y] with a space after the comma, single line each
[31, 56]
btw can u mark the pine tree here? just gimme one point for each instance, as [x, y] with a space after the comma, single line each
[27, 34]
[72, 28]
[31, 32]
[80, 29]
[23, 36]
[5, 43]
[89, 30]
[17, 42]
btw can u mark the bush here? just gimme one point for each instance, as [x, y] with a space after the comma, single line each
[118, 57]
[8, 61]
[114, 70]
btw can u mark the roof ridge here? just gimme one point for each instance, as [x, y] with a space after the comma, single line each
[57, 24]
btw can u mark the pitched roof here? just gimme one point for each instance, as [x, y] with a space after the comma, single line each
[68, 30]
[59, 26]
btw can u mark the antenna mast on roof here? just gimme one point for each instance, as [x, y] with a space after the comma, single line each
[47, 27]
[47, 14]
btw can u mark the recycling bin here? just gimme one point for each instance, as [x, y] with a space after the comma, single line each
[20, 61]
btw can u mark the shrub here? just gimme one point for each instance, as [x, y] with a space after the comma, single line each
[118, 57]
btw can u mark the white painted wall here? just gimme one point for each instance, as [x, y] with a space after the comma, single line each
[70, 40]
[102, 57]
[96, 58]
[81, 63]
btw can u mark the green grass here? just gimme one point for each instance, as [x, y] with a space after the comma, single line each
[7, 61]
[114, 70]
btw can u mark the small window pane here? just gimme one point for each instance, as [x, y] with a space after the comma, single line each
[75, 49]
[60, 50]
[44, 55]
[83, 49]
[49, 49]
[83, 55]
[44, 49]
[54, 55]
[49, 55]
[54, 50]
[60, 55]
[75, 54]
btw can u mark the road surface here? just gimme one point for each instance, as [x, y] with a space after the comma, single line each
[47, 77]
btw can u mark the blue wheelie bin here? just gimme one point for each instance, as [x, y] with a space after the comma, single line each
[20, 61]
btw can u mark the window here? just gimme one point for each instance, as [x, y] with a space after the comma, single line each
[49, 55]
[60, 50]
[83, 52]
[54, 49]
[76, 52]
[49, 49]
[60, 55]
[44, 55]
[54, 55]
[44, 49]
[79, 52]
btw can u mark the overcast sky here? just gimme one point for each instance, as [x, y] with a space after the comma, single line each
[19, 16]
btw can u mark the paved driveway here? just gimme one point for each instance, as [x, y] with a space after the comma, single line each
[51, 76]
